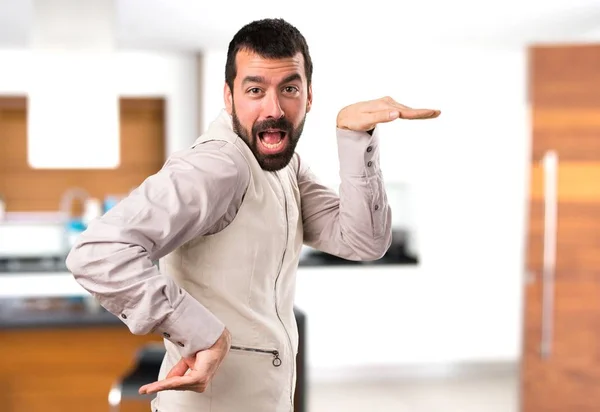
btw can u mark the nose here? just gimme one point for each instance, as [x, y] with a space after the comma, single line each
[271, 106]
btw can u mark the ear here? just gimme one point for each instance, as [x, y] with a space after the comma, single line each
[228, 98]
[309, 99]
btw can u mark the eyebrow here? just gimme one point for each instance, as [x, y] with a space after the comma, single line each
[253, 79]
[291, 78]
[260, 79]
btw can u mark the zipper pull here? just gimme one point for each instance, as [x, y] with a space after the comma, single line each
[276, 360]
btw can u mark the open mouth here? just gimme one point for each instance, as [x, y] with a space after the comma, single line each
[272, 141]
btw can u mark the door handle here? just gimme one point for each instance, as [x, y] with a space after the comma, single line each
[550, 167]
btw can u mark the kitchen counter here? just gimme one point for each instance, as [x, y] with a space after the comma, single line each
[309, 259]
[397, 254]
[21, 265]
[53, 312]
[320, 259]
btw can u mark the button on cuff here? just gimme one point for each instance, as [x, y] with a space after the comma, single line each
[355, 149]
[190, 315]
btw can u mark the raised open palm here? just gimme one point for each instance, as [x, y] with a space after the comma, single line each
[363, 116]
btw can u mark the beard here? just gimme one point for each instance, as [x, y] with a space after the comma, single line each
[270, 162]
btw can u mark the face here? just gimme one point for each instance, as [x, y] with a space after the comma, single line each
[268, 105]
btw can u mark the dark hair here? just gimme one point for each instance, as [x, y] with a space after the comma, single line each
[271, 39]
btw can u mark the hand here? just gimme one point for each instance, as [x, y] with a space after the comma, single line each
[364, 116]
[193, 373]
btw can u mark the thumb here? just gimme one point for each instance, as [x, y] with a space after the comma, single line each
[384, 116]
[179, 369]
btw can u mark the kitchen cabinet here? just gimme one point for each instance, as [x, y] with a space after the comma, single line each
[65, 362]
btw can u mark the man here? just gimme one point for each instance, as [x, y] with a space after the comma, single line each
[227, 218]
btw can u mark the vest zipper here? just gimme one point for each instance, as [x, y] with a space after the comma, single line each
[275, 353]
[287, 234]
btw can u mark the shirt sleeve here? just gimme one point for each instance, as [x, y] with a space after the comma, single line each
[113, 259]
[356, 225]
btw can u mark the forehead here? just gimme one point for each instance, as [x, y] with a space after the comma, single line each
[251, 64]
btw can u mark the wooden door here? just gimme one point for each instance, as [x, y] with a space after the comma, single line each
[561, 354]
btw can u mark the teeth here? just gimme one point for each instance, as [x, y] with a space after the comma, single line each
[272, 145]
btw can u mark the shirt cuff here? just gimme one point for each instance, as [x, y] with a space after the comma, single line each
[358, 152]
[191, 327]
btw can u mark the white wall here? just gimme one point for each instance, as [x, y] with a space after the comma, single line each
[467, 170]
[141, 74]
[468, 174]
[211, 85]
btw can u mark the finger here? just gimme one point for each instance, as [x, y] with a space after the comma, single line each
[162, 386]
[435, 114]
[179, 369]
[385, 103]
[394, 104]
[418, 114]
[382, 116]
[414, 113]
[400, 106]
[177, 388]
[176, 382]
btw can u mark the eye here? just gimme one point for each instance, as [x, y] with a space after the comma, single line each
[291, 89]
[254, 90]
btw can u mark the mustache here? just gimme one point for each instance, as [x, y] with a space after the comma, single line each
[282, 124]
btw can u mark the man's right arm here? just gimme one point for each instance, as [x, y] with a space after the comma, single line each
[196, 192]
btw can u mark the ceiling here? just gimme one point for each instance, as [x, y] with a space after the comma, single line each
[192, 25]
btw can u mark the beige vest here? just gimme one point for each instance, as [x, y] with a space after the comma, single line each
[246, 276]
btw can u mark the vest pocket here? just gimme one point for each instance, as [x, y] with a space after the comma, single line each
[250, 380]
[275, 353]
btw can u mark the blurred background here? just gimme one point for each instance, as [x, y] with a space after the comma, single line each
[489, 298]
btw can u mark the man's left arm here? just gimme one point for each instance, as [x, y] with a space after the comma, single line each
[356, 225]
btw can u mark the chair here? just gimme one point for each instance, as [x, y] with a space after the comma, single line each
[149, 358]
[300, 397]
